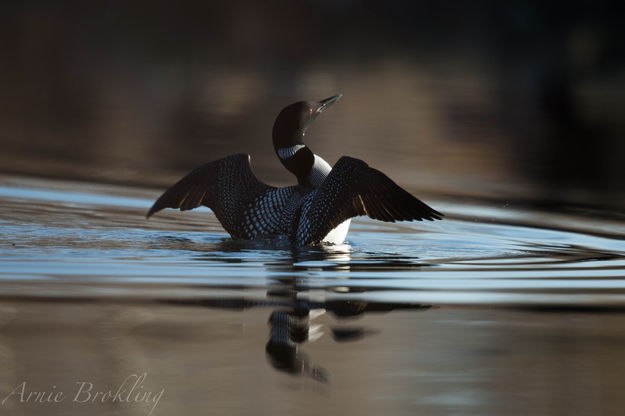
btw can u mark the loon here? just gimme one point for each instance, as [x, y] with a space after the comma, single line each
[318, 209]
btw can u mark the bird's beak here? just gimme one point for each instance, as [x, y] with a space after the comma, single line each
[324, 104]
[321, 107]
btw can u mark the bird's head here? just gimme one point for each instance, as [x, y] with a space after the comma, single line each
[288, 132]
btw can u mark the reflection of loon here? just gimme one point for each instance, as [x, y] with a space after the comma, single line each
[290, 326]
[318, 209]
[296, 309]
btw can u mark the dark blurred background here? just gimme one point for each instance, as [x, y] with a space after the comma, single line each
[502, 99]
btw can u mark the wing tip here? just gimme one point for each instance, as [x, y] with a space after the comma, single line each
[435, 215]
[151, 212]
[156, 207]
[438, 215]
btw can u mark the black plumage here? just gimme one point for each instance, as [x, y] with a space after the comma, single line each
[245, 207]
[305, 213]
[352, 189]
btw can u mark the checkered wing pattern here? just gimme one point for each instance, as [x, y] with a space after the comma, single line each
[244, 206]
[272, 213]
[351, 189]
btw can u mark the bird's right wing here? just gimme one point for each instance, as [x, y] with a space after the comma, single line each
[227, 186]
[353, 188]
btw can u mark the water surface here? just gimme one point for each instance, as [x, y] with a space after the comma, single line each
[497, 309]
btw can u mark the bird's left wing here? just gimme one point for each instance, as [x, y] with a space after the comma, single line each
[353, 188]
[227, 186]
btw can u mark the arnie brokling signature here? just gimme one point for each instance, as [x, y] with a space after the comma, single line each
[131, 390]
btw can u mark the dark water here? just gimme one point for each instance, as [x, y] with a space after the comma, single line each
[498, 309]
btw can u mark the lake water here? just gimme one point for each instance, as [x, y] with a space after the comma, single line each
[497, 309]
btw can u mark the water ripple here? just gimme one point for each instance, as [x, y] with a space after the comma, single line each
[479, 255]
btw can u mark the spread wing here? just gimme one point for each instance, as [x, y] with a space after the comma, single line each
[228, 187]
[353, 188]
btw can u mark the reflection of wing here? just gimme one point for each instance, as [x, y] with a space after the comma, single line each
[228, 187]
[353, 188]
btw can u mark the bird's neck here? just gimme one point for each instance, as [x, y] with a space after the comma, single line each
[318, 172]
[309, 168]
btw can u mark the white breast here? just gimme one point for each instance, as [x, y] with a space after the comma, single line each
[318, 173]
[338, 235]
